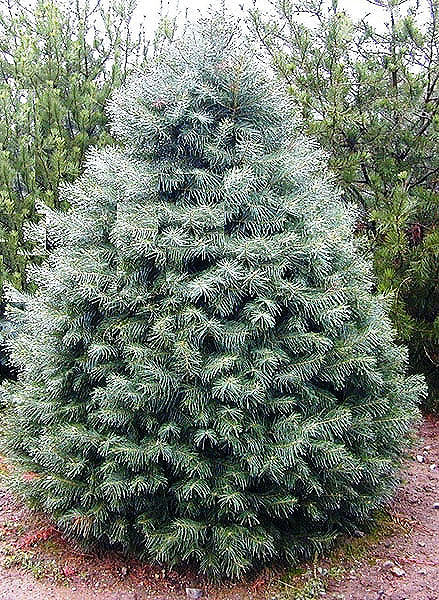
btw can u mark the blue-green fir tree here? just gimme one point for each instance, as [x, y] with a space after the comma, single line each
[205, 375]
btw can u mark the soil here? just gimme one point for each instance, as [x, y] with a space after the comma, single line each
[398, 560]
[405, 565]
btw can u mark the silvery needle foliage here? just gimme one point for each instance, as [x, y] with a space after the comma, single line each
[205, 375]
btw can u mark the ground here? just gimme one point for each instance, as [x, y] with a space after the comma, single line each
[398, 560]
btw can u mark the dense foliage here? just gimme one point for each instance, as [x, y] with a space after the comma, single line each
[371, 97]
[58, 64]
[205, 375]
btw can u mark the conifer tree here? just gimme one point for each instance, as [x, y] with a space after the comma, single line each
[205, 376]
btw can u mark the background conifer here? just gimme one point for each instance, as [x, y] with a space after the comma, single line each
[368, 92]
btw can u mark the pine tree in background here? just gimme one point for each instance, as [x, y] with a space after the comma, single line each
[59, 62]
[205, 376]
[370, 95]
